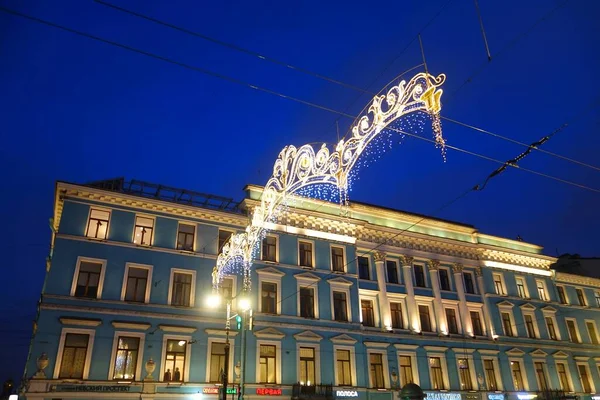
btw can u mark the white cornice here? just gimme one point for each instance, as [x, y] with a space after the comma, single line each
[435, 348]
[80, 321]
[177, 328]
[577, 279]
[219, 332]
[140, 326]
[377, 345]
[411, 347]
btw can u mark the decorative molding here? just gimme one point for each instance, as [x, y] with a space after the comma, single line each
[308, 336]
[478, 271]
[515, 352]
[177, 328]
[219, 332]
[270, 271]
[435, 348]
[581, 358]
[411, 347]
[462, 350]
[377, 345]
[407, 260]
[527, 307]
[560, 354]
[434, 265]
[80, 321]
[505, 304]
[577, 280]
[538, 353]
[340, 282]
[488, 352]
[343, 339]
[307, 276]
[457, 268]
[269, 333]
[138, 326]
[534, 260]
[549, 310]
[379, 256]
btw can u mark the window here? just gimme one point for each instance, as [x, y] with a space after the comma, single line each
[469, 285]
[305, 254]
[185, 237]
[217, 361]
[444, 279]
[344, 372]
[551, 329]
[268, 298]
[506, 324]
[476, 322]
[376, 370]
[74, 356]
[562, 297]
[175, 360]
[363, 268]
[227, 289]
[223, 238]
[498, 285]
[437, 377]
[585, 378]
[580, 297]
[307, 365]
[137, 284]
[97, 227]
[340, 311]
[572, 328]
[307, 303]
[406, 370]
[419, 275]
[464, 374]
[368, 316]
[392, 271]
[337, 259]
[561, 369]
[591, 328]
[88, 279]
[540, 374]
[515, 369]
[144, 228]
[396, 311]
[541, 288]
[490, 375]
[451, 319]
[126, 357]
[424, 317]
[181, 294]
[529, 326]
[267, 363]
[597, 296]
[269, 249]
[521, 287]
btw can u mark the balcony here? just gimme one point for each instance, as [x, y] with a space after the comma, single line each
[312, 392]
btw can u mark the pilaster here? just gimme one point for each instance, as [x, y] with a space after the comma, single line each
[411, 306]
[486, 305]
[434, 266]
[457, 269]
[384, 303]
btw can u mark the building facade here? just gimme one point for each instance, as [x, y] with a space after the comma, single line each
[354, 305]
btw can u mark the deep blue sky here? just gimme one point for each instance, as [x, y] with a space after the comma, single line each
[77, 110]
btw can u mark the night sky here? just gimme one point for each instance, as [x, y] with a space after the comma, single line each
[77, 110]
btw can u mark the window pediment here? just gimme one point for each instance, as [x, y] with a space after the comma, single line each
[505, 304]
[80, 321]
[270, 271]
[549, 309]
[177, 328]
[307, 276]
[343, 338]
[560, 354]
[538, 353]
[527, 307]
[515, 352]
[269, 333]
[340, 282]
[308, 336]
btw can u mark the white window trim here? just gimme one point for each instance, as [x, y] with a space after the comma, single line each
[502, 282]
[102, 274]
[366, 254]
[475, 289]
[590, 378]
[386, 369]
[545, 287]
[88, 353]
[219, 230]
[317, 350]
[400, 298]
[148, 280]
[344, 289]
[471, 364]
[277, 344]
[276, 250]
[574, 320]
[113, 356]
[163, 361]
[398, 271]
[497, 375]
[523, 373]
[147, 216]
[413, 364]
[423, 265]
[304, 282]
[567, 300]
[344, 259]
[352, 363]
[585, 300]
[210, 342]
[233, 290]
[552, 315]
[373, 299]
[568, 372]
[536, 329]
[444, 365]
[513, 325]
[525, 287]
[545, 368]
[193, 288]
[459, 318]
[432, 320]
[87, 223]
[313, 256]
[195, 226]
[597, 297]
[586, 321]
[449, 272]
[268, 278]
[478, 309]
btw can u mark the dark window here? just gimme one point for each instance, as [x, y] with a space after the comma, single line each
[185, 237]
[490, 375]
[451, 319]
[397, 320]
[182, 289]
[465, 374]
[339, 306]
[562, 377]
[541, 290]
[529, 326]
[406, 373]
[144, 227]
[561, 294]
[307, 303]
[585, 379]
[580, 297]
[337, 259]
[424, 317]
[419, 276]
[73, 356]
[137, 279]
[444, 279]
[267, 363]
[592, 332]
[363, 268]
[597, 296]
[223, 238]
[368, 318]
[175, 360]
[344, 372]
[126, 357]
[392, 271]
[521, 287]
[269, 248]
[572, 331]
[88, 279]
[376, 370]
[305, 254]
[541, 375]
[97, 224]
[268, 303]
[498, 284]
[226, 290]
[469, 286]
[506, 324]
[217, 361]
[515, 368]
[307, 365]
[476, 322]
[437, 377]
[550, 326]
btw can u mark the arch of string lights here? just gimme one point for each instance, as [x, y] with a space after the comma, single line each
[314, 172]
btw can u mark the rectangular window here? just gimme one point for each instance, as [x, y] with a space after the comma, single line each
[562, 377]
[550, 326]
[363, 268]
[227, 289]
[175, 360]
[268, 298]
[572, 331]
[185, 237]
[137, 281]
[307, 303]
[464, 374]
[490, 375]
[217, 361]
[529, 326]
[307, 365]
[340, 312]
[437, 377]
[451, 319]
[585, 378]
[444, 279]
[305, 257]
[267, 363]
[368, 317]
[541, 288]
[561, 294]
[182, 289]
[344, 372]
[126, 357]
[144, 228]
[469, 285]
[540, 373]
[97, 227]
[73, 356]
[269, 249]
[419, 275]
[424, 317]
[223, 238]
[506, 324]
[337, 259]
[597, 296]
[406, 372]
[515, 368]
[88, 279]
[580, 297]
[376, 370]
[592, 332]
[498, 286]
[392, 271]
[396, 311]
[476, 322]
[521, 287]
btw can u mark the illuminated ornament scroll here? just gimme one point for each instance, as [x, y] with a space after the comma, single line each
[297, 168]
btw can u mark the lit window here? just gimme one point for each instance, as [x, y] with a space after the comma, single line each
[444, 279]
[88, 279]
[142, 233]
[490, 375]
[572, 328]
[591, 327]
[268, 298]
[392, 271]
[562, 297]
[185, 237]
[74, 356]
[464, 374]
[376, 370]
[368, 318]
[451, 319]
[419, 275]
[223, 238]
[217, 361]
[363, 268]
[340, 312]
[344, 372]
[137, 282]
[561, 368]
[540, 373]
[476, 322]
[425, 319]
[581, 297]
[307, 365]
[126, 357]
[498, 285]
[515, 368]
[267, 362]
[469, 285]
[521, 287]
[396, 311]
[337, 259]
[305, 254]
[97, 227]
[175, 360]
[182, 289]
[437, 377]
[269, 249]
[406, 371]
[584, 376]
[541, 288]
[307, 303]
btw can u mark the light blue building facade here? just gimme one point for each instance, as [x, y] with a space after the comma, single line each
[366, 302]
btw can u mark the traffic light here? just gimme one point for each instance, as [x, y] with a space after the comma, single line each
[238, 321]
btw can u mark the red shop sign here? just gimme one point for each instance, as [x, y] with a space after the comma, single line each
[268, 392]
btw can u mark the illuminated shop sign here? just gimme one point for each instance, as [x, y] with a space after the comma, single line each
[268, 392]
[442, 396]
[497, 396]
[215, 390]
[91, 388]
[346, 393]
[471, 396]
[526, 396]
